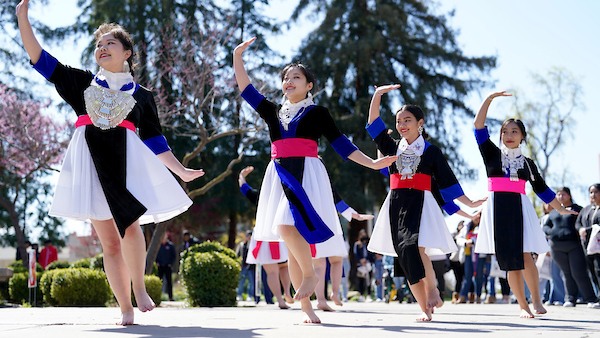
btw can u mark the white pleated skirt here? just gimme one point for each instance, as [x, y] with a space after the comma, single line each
[433, 231]
[79, 195]
[264, 253]
[274, 209]
[534, 239]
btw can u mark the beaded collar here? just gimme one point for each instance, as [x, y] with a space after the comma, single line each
[512, 161]
[409, 156]
[289, 110]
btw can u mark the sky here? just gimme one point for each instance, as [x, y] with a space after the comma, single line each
[526, 37]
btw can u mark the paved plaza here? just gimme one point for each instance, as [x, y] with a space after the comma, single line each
[365, 320]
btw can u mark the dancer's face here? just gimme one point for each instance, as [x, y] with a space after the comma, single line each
[110, 54]
[594, 195]
[511, 135]
[295, 86]
[408, 126]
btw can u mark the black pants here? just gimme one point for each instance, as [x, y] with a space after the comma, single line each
[570, 258]
[165, 274]
[459, 271]
[439, 267]
[593, 262]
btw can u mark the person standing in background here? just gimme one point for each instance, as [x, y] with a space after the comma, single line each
[164, 260]
[48, 254]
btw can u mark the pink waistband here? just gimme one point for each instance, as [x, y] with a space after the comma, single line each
[84, 120]
[506, 185]
[294, 147]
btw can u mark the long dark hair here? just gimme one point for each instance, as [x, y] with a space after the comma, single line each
[120, 34]
[417, 113]
[568, 191]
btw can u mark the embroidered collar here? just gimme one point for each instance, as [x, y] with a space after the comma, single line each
[417, 147]
[289, 110]
[512, 161]
[121, 81]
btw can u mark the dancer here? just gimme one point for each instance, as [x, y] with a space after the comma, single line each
[410, 224]
[273, 256]
[109, 176]
[296, 203]
[509, 225]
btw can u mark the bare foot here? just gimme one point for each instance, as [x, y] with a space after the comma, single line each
[425, 316]
[310, 316]
[323, 306]
[336, 299]
[283, 305]
[288, 298]
[526, 313]
[433, 299]
[539, 309]
[126, 318]
[144, 302]
[307, 287]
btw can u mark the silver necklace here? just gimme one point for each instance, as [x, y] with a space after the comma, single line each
[107, 108]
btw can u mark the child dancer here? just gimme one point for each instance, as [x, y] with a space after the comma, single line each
[509, 225]
[296, 203]
[109, 175]
[410, 224]
[273, 256]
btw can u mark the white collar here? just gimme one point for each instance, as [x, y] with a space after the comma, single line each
[418, 146]
[513, 153]
[115, 81]
[289, 110]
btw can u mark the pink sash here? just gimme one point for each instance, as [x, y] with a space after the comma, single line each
[506, 185]
[294, 147]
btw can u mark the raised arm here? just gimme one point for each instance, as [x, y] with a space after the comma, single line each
[243, 173]
[31, 44]
[171, 162]
[241, 75]
[376, 101]
[479, 121]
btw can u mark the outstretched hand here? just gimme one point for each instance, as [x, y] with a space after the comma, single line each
[191, 174]
[362, 217]
[383, 162]
[384, 89]
[244, 172]
[242, 46]
[568, 212]
[476, 203]
[22, 8]
[497, 94]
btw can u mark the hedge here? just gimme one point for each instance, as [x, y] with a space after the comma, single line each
[80, 287]
[18, 290]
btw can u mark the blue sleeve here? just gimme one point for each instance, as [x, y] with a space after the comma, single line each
[481, 135]
[341, 206]
[252, 96]
[450, 208]
[375, 128]
[547, 195]
[344, 147]
[158, 144]
[245, 188]
[46, 65]
[452, 192]
[385, 171]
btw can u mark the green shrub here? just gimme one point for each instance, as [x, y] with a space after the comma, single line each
[46, 285]
[210, 278]
[18, 290]
[58, 265]
[82, 263]
[208, 246]
[80, 287]
[4, 295]
[17, 267]
[153, 288]
[97, 262]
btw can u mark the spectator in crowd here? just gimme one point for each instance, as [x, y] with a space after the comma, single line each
[364, 266]
[27, 246]
[48, 254]
[247, 273]
[474, 263]
[589, 216]
[188, 240]
[164, 260]
[457, 265]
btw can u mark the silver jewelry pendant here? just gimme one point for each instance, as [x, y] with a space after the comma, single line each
[107, 108]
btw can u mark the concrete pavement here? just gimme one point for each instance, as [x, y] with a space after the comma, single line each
[365, 320]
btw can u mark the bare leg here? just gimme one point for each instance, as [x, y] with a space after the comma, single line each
[433, 294]
[299, 248]
[320, 266]
[532, 278]
[284, 276]
[115, 268]
[296, 275]
[336, 271]
[515, 280]
[134, 253]
[420, 293]
[273, 282]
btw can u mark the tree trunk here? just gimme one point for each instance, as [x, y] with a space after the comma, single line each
[159, 232]
[14, 219]
[232, 229]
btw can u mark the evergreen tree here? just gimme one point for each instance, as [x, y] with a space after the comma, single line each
[363, 43]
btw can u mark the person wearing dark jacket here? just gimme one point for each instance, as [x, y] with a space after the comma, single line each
[164, 260]
[568, 253]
